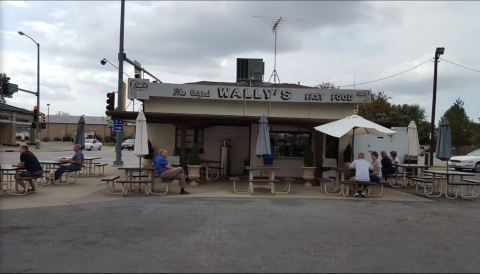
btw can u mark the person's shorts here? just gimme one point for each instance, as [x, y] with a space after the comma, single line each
[37, 173]
[375, 179]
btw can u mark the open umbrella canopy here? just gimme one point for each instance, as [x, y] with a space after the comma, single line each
[141, 137]
[80, 134]
[413, 147]
[444, 140]
[354, 125]
[263, 139]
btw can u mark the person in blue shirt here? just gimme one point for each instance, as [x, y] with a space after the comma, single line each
[168, 172]
[75, 163]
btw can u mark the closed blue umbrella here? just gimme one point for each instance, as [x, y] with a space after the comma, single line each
[80, 134]
[263, 140]
[444, 140]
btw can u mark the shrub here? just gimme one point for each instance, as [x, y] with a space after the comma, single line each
[46, 139]
[67, 139]
[150, 151]
[308, 160]
[194, 159]
[107, 139]
[347, 154]
[57, 139]
[99, 138]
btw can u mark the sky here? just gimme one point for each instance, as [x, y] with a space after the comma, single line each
[340, 42]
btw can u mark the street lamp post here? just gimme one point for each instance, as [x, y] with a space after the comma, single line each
[37, 125]
[48, 120]
[438, 52]
[121, 57]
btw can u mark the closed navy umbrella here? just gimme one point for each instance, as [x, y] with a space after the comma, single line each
[80, 135]
[444, 140]
[263, 147]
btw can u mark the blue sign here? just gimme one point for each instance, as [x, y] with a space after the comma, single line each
[118, 127]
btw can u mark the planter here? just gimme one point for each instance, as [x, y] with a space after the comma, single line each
[308, 175]
[147, 162]
[194, 174]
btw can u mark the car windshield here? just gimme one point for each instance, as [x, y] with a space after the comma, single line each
[129, 141]
[474, 153]
[88, 141]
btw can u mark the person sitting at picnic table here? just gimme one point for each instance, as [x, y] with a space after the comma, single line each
[75, 163]
[362, 174]
[393, 155]
[376, 174]
[387, 167]
[168, 172]
[28, 161]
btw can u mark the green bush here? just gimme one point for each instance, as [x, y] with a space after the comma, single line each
[308, 160]
[46, 139]
[57, 139]
[150, 151]
[107, 139]
[194, 159]
[347, 154]
[67, 139]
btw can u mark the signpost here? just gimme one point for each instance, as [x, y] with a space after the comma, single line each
[12, 88]
[118, 125]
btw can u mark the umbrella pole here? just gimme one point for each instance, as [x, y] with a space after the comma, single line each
[353, 145]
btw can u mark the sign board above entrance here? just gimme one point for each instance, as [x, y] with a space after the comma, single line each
[142, 89]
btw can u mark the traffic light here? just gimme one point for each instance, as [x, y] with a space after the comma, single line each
[42, 117]
[110, 101]
[43, 125]
[35, 113]
[138, 72]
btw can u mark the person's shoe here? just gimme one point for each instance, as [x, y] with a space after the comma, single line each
[183, 192]
[364, 195]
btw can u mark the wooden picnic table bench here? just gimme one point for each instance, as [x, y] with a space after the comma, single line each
[347, 184]
[110, 181]
[262, 183]
[125, 183]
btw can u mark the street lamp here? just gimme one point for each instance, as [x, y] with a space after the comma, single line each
[104, 61]
[37, 125]
[48, 120]
[438, 52]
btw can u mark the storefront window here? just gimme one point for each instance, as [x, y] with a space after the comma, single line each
[194, 137]
[290, 144]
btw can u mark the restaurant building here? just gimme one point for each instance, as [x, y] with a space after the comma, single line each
[215, 116]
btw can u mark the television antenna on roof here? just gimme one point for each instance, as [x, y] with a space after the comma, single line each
[275, 23]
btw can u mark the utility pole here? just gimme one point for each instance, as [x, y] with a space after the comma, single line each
[121, 57]
[438, 52]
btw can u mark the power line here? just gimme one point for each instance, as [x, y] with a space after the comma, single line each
[462, 66]
[388, 77]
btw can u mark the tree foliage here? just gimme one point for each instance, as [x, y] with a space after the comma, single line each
[463, 130]
[381, 111]
[4, 92]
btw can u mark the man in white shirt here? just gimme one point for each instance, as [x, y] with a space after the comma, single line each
[362, 174]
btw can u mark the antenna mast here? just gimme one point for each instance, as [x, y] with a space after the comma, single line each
[274, 72]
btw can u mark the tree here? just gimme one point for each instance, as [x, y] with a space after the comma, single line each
[326, 85]
[4, 92]
[461, 127]
[378, 110]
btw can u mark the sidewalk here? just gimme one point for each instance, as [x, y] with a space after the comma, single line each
[91, 189]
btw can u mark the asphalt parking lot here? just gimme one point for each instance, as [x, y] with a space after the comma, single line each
[169, 234]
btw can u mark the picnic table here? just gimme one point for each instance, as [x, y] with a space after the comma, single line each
[261, 183]
[132, 178]
[206, 164]
[5, 171]
[442, 179]
[88, 163]
[414, 169]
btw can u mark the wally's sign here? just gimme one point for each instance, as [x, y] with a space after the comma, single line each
[142, 89]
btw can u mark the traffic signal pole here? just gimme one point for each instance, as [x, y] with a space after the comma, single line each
[121, 58]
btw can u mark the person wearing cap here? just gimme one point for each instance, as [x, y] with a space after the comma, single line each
[168, 172]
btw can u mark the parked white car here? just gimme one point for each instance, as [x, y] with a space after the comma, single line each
[469, 161]
[93, 144]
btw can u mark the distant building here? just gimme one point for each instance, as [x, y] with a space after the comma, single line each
[14, 121]
[60, 127]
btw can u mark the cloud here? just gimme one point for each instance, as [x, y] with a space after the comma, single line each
[16, 4]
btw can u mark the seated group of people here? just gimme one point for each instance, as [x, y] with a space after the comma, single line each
[372, 171]
[30, 163]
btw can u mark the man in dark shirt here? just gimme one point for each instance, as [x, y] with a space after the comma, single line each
[75, 163]
[387, 166]
[29, 162]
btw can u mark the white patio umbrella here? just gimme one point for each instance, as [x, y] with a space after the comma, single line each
[141, 136]
[413, 145]
[354, 125]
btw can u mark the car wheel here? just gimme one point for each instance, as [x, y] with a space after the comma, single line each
[458, 169]
[100, 148]
[477, 167]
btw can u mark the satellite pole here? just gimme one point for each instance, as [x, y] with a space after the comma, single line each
[274, 73]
